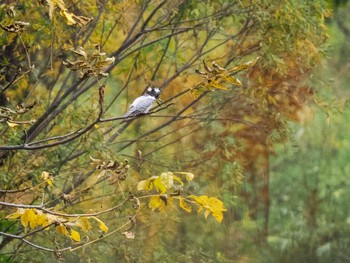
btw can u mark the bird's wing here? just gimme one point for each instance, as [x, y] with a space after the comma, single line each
[137, 101]
[132, 107]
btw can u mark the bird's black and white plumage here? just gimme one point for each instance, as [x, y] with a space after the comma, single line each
[143, 104]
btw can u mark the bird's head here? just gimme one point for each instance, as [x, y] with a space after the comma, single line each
[154, 92]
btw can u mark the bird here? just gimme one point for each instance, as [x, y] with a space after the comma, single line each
[142, 104]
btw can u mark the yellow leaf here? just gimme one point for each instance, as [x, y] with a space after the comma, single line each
[232, 80]
[158, 184]
[211, 205]
[84, 224]
[51, 5]
[95, 160]
[206, 213]
[60, 4]
[32, 218]
[189, 176]
[213, 83]
[74, 235]
[49, 182]
[42, 219]
[73, 19]
[47, 177]
[44, 175]
[178, 179]
[200, 208]
[62, 230]
[184, 205]
[69, 17]
[12, 124]
[156, 203]
[101, 174]
[145, 185]
[167, 179]
[200, 200]
[102, 225]
[218, 216]
[252, 63]
[24, 219]
[238, 68]
[272, 100]
[216, 204]
[54, 219]
[71, 233]
[244, 66]
[16, 214]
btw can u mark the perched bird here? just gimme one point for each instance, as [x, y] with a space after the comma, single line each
[143, 104]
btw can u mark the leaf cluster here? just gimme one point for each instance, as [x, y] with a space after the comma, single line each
[93, 64]
[170, 187]
[35, 218]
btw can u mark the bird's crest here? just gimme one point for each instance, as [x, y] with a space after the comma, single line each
[154, 92]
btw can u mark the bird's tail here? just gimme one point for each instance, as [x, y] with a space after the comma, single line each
[127, 114]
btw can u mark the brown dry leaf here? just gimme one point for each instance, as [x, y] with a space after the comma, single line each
[129, 234]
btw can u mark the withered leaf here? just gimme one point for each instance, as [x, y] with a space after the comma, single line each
[16, 27]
